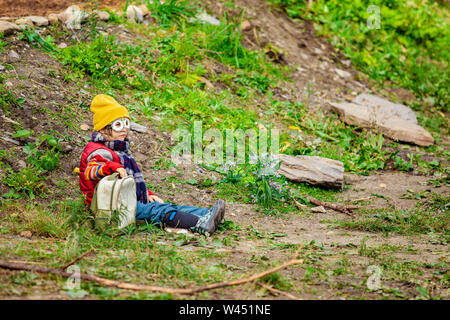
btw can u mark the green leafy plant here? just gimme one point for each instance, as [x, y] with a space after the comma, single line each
[27, 181]
[260, 177]
[36, 40]
[44, 154]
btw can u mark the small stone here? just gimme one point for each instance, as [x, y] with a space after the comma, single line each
[346, 63]
[135, 14]
[383, 185]
[208, 19]
[26, 234]
[23, 21]
[84, 127]
[102, 15]
[52, 18]
[72, 17]
[62, 45]
[38, 21]
[319, 209]
[8, 28]
[318, 51]
[12, 57]
[245, 25]
[138, 128]
[21, 164]
[343, 74]
[144, 10]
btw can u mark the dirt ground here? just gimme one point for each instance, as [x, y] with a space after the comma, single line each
[315, 60]
[21, 8]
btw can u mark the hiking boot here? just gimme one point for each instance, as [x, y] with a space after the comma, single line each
[207, 224]
[221, 205]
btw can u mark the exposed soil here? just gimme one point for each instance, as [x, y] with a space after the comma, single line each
[39, 79]
[21, 8]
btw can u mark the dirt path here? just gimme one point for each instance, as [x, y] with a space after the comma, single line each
[21, 8]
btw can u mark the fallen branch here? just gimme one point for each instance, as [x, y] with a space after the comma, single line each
[347, 209]
[130, 286]
[299, 205]
[344, 209]
[64, 267]
[277, 291]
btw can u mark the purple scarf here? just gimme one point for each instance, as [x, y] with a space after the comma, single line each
[127, 160]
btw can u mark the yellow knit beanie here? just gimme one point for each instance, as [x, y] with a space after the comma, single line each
[106, 109]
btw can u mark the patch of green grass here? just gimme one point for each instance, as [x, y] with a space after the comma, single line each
[278, 281]
[3, 44]
[414, 221]
[171, 11]
[7, 99]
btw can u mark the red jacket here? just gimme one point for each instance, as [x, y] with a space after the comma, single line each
[87, 186]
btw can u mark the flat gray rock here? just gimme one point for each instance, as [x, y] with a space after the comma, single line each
[317, 171]
[393, 120]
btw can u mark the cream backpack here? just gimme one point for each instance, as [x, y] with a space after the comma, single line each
[114, 198]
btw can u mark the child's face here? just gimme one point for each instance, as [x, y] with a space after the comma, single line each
[121, 135]
[112, 133]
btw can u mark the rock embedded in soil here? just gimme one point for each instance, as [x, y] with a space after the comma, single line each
[144, 10]
[394, 120]
[204, 17]
[138, 128]
[102, 15]
[8, 28]
[38, 21]
[52, 18]
[135, 14]
[319, 209]
[245, 25]
[317, 171]
[72, 17]
[343, 74]
[22, 21]
[12, 57]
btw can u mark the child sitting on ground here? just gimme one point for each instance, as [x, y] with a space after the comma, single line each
[108, 152]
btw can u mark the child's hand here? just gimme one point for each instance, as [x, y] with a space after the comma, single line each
[122, 172]
[155, 198]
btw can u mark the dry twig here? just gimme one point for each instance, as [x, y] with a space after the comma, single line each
[347, 209]
[277, 291]
[76, 260]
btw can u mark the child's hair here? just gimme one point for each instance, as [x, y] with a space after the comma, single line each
[107, 130]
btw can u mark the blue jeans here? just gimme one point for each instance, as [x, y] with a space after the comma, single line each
[154, 212]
